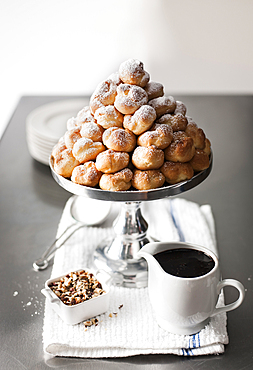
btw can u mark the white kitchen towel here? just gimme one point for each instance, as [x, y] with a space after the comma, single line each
[129, 327]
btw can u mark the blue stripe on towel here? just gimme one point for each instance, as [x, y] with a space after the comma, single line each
[187, 352]
[194, 341]
[176, 222]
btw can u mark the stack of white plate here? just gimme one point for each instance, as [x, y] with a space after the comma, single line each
[47, 124]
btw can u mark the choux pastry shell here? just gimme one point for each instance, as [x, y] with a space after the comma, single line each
[86, 174]
[129, 98]
[71, 137]
[163, 105]
[104, 94]
[147, 158]
[178, 122]
[119, 139]
[92, 130]
[181, 148]
[159, 136]
[197, 134]
[200, 160]
[59, 147]
[141, 120]
[111, 161]
[119, 181]
[176, 172]
[154, 90]
[146, 180]
[85, 150]
[65, 162]
[132, 72]
[108, 116]
[180, 108]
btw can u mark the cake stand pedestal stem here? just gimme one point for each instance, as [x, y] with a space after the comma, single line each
[119, 255]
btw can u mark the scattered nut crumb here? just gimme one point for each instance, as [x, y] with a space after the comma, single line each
[110, 315]
[120, 306]
[91, 322]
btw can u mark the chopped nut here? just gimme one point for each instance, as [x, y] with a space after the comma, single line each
[110, 315]
[120, 306]
[88, 323]
[77, 287]
[91, 322]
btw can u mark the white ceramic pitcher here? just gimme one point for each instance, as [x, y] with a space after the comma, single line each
[185, 305]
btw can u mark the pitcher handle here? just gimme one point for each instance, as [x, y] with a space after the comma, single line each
[236, 284]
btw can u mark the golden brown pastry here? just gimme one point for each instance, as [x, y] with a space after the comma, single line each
[159, 136]
[177, 172]
[86, 150]
[119, 181]
[115, 78]
[180, 108]
[200, 161]
[154, 90]
[207, 148]
[197, 134]
[181, 148]
[65, 162]
[108, 116]
[130, 125]
[84, 115]
[178, 122]
[132, 72]
[163, 105]
[129, 98]
[59, 147]
[86, 174]
[104, 94]
[111, 161]
[92, 130]
[71, 137]
[72, 123]
[141, 120]
[147, 158]
[146, 180]
[119, 139]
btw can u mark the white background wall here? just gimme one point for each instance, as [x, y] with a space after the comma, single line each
[67, 47]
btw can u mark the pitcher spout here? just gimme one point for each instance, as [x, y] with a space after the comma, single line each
[148, 257]
[147, 252]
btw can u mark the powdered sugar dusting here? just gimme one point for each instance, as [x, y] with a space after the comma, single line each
[154, 90]
[92, 131]
[130, 66]
[105, 90]
[145, 112]
[81, 143]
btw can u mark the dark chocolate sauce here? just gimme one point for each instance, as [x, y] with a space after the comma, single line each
[184, 262]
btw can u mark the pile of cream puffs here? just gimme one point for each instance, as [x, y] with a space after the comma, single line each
[131, 136]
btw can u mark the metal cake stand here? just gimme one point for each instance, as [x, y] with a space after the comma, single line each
[118, 256]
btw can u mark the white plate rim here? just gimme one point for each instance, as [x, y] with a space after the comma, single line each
[40, 158]
[40, 142]
[35, 121]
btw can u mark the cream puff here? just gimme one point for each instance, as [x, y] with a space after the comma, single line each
[119, 181]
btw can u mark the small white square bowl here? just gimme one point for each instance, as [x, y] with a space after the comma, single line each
[83, 311]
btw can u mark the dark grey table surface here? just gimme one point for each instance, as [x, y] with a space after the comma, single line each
[30, 208]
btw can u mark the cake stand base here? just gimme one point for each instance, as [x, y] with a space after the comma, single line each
[130, 273]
